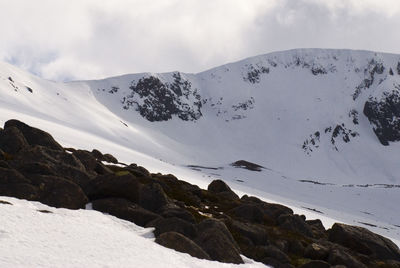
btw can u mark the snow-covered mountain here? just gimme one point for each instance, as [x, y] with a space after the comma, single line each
[322, 124]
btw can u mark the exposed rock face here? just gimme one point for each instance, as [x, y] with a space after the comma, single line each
[158, 101]
[210, 224]
[384, 115]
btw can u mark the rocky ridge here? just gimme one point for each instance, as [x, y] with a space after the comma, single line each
[214, 224]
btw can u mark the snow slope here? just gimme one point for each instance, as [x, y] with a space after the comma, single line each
[297, 113]
[35, 235]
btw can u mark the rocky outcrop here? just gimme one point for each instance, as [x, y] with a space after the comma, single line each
[210, 224]
[384, 115]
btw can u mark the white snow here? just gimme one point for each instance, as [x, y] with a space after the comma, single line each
[82, 238]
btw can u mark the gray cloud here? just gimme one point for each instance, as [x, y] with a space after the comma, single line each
[88, 39]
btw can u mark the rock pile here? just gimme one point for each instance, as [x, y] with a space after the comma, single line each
[213, 224]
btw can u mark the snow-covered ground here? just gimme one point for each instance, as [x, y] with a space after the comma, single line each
[35, 235]
[247, 113]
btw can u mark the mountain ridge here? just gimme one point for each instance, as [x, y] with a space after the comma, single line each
[302, 119]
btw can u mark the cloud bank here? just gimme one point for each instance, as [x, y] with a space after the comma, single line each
[87, 39]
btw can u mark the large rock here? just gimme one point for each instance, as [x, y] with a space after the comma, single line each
[171, 210]
[364, 241]
[13, 183]
[248, 212]
[173, 225]
[125, 209]
[222, 189]
[271, 212]
[111, 185]
[256, 234]
[46, 155]
[12, 140]
[33, 135]
[181, 243]
[92, 165]
[215, 239]
[59, 192]
[152, 197]
[295, 223]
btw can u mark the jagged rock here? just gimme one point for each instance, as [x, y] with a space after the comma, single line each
[152, 197]
[257, 235]
[12, 140]
[125, 209]
[13, 183]
[221, 188]
[215, 239]
[181, 243]
[364, 241]
[316, 264]
[295, 223]
[34, 136]
[111, 185]
[340, 257]
[173, 225]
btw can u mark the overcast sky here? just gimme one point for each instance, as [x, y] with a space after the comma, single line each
[89, 39]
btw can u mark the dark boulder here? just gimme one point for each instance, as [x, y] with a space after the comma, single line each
[256, 234]
[59, 192]
[111, 185]
[181, 243]
[46, 155]
[152, 197]
[215, 239]
[271, 211]
[270, 252]
[110, 159]
[12, 140]
[13, 183]
[295, 223]
[248, 212]
[364, 241]
[125, 209]
[173, 225]
[33, 135]
[221, 188]
[171, 210]
[317, 228]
